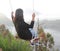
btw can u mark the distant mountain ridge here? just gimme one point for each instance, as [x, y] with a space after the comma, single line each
[52, 24]
[49, 24]
[4, 20]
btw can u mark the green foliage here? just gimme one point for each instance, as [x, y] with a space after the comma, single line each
[13, 44]
[48, 35]
[40, 30]
[9, 43]
[48, 40]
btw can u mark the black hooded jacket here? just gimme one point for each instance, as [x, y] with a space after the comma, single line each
[22, 28]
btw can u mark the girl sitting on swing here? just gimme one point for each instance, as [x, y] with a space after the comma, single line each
[24, 30]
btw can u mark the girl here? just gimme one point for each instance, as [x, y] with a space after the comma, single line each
[24, 30]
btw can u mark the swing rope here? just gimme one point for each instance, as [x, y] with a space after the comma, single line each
[33, 5]
[10, 5]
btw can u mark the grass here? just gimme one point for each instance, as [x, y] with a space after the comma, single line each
[9, 43]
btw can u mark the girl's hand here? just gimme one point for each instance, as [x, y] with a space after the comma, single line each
[13, 18]
[12, 15]
[33, 16]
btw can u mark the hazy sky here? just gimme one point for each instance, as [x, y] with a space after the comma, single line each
[46, 9]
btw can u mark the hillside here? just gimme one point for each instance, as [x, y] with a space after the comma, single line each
[4, 20]
[52, 24]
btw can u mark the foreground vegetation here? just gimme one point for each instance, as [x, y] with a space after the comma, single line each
[9, 43]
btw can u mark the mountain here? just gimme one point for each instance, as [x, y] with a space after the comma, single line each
[8, 23]
[4, 20]
[52, 24]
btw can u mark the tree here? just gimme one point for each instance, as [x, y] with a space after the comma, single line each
[46, 39]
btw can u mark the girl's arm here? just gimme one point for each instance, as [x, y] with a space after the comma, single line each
[32, 22]
[13, 17]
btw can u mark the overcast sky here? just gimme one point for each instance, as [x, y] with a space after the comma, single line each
[44, 9]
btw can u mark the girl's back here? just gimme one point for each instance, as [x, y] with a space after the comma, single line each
[22, 28]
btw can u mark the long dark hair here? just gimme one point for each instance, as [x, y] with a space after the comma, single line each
[19, 15]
